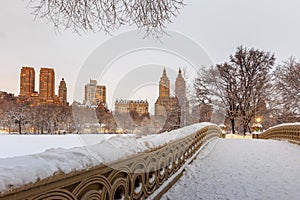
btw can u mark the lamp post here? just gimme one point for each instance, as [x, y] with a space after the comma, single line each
[257, 125]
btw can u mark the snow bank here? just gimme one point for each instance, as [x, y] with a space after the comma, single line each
[26, 169]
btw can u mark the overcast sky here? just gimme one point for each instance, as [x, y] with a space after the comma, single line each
[217, 26]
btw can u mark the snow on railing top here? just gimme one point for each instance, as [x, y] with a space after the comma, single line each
[27, 169]
[285, 124]
[288, 131]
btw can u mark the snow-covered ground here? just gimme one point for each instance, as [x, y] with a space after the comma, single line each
[237, 136]
[88, 151]
[242, 169]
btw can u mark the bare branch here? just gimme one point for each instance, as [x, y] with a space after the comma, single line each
[152, 16]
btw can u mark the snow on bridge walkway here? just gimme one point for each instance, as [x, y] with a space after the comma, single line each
[242, 169]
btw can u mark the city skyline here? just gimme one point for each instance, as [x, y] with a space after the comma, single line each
[36, 88]
[45, 91]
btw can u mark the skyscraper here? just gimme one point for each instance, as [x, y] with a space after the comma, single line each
[27, 81]
[100, 94]
[180, 93]
[165, 104]
[180, 86]
[168, 106]
[47, 84]
[94, 94]
[62, 92]
[164, 85]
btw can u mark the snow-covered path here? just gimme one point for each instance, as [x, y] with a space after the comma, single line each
[242, 169]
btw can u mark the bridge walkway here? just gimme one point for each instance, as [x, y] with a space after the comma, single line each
[242, 169]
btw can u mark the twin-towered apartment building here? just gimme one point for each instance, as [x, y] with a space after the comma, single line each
[175, 107]
[46, 94]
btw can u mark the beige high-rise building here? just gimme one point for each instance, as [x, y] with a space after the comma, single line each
[62, 92]
[47, 84]
[100, 94]
[165, 103]
[180, 88]
[46, 94]
[27, 81]
[180, 93]
[164, 85]
[167, 106]
[94, 94]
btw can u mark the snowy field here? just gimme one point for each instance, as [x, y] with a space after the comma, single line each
[242, 169]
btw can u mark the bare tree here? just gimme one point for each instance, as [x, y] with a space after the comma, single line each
[105, 118]
[217, 86]
[229, 94]
[125, 121]
[7, 119]
[64, 118]
[19, 114]
[240, 85]
[102, 113]
[253, 67]
[172, 119]
[286, 95]
[84, 117]
[288, 82]
[133, 122]
[107, 15]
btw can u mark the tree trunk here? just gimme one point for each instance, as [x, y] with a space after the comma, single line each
[232, 126]
[245, 126]
[249, 129]
[20, 127]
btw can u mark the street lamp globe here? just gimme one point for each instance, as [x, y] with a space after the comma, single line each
[258, 119]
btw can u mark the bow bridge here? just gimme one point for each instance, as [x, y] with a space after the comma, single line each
[153, 172]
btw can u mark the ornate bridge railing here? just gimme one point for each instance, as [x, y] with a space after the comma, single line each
[290, 132]
[136, 177]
